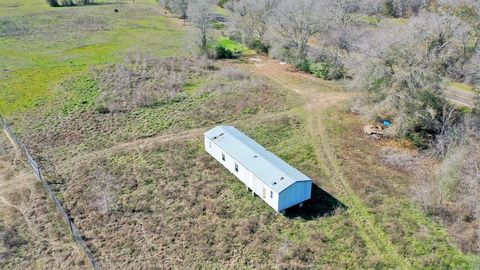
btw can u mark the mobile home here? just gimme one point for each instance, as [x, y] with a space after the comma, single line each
[279, 184]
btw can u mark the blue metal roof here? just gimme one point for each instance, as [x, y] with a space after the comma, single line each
[267, 167]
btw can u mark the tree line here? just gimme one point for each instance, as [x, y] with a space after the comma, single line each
[401, 54]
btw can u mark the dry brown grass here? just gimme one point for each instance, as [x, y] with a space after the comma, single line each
[142, 81]
[176, 207]
[169, 203]
[31, 233]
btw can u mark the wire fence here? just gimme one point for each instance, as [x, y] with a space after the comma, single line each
[36, 170]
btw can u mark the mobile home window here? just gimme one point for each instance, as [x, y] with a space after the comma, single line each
[223, 156]
[271, 194]
[210, 144]
[236, 167]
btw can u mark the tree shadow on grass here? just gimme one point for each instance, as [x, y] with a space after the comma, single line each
[320, 204]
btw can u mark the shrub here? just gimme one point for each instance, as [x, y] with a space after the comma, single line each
[12, 28]
[76, 2]
[304, 65]
[321, 70]
[324, 70]
[219, 25]
[232, 74]
[258, 46]
[222, 3]
[52, 3]
[222, 53]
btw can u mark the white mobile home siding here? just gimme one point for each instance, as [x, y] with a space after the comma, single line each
[272, 179]
[243, 174]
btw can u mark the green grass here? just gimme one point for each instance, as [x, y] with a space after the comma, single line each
[371, 20]
[56, 50]
[11, 7]
[379, 195]
[231, 45]
[462, 87]
[176, 205]
[396, 21]
[221, 11]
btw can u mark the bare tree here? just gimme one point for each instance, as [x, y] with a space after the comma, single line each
[401, 72]
[294, 23]
[343, 27]
[393, 8]
[371, 7]
[472, 70]
[446, 39]
[179, 7]
[200, 14]
[452, 4]
[407, 8]
[250, 20]
[459, 179]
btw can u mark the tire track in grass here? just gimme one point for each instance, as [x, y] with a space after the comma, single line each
[150, 143]
[317, 100]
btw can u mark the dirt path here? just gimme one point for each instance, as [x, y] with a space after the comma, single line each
[23, 206]
[318, 96]
[153, 142]
[17, 191]
[11, 182]
[140, 144]
[461, 97]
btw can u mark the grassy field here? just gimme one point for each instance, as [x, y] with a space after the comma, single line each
[143, 191]
[41, 47]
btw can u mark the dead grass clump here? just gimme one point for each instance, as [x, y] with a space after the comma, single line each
[397, 159]
[11, 28]
[10, 243]
[235, 93]
[46, 24]
[5, 145]
[142, 81]
[232, 74]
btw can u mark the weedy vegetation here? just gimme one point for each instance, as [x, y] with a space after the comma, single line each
[32, 234]
[113, 104]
